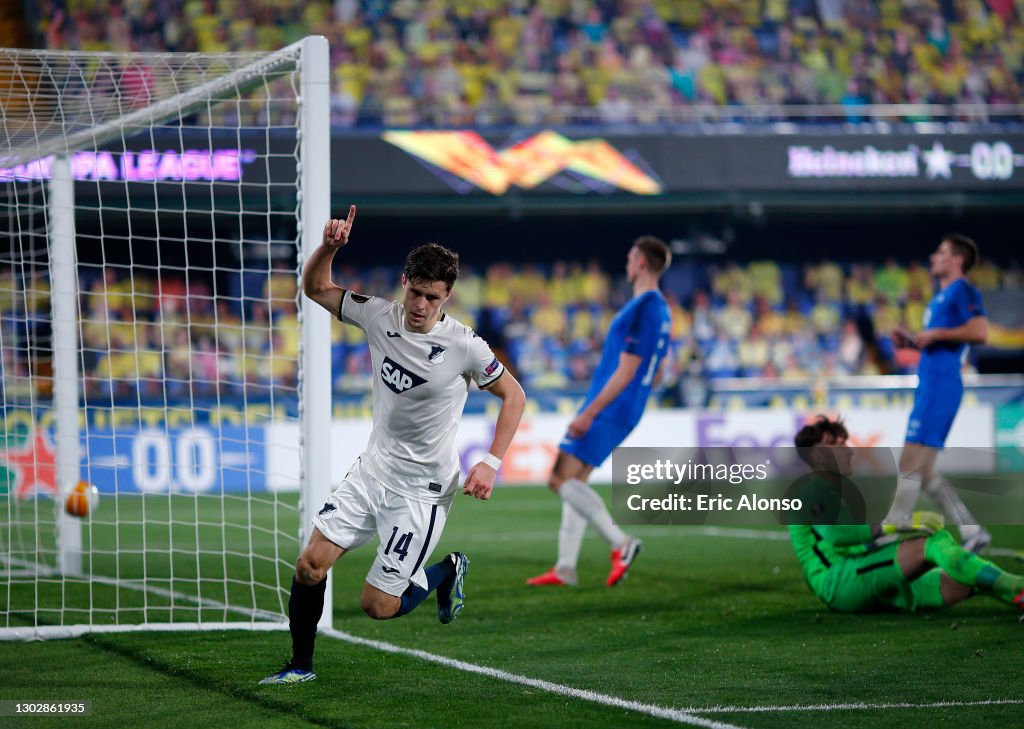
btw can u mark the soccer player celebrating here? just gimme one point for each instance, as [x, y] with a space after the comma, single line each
[916, 565]
[633, 350]
[401, 487]
[955, 318]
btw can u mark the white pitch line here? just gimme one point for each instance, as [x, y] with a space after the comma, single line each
[682, 716]
[859, 706]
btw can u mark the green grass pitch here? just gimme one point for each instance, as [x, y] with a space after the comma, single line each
[703, 621]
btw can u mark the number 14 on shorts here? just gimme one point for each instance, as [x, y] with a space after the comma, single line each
[401, 547]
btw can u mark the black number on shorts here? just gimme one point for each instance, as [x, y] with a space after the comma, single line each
[402, 546]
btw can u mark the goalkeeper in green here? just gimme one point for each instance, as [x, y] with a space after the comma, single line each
[861, 567]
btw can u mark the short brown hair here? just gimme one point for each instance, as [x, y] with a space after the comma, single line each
[432, 262]
[964, 247]
[655, 252]
[813, 433]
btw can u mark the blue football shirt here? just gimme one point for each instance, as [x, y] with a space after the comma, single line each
[641, 327]
[953, 306]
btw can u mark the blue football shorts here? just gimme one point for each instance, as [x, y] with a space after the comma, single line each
[934, 410]
[597, 443]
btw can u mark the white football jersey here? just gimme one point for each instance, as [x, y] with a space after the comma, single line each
[420, 382]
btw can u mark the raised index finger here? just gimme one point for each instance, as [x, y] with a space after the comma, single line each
[351, 216]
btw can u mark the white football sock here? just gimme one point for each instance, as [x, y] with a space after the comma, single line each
[908, 488]
[570, 539]
[947, 499]
[588, 503]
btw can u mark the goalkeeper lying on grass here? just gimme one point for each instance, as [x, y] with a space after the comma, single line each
[861, 567]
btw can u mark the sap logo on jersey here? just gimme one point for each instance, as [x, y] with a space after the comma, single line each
[397, 377]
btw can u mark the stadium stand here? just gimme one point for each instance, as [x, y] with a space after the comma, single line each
[490, 63]
[732, 321]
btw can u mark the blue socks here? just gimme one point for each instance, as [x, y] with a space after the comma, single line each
[414, 594]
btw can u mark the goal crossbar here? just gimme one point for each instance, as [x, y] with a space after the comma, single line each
[27, 146]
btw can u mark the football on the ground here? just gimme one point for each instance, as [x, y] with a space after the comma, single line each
[82, 500]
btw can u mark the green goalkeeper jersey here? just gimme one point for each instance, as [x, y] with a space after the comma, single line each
[818, 546]
[816, 551]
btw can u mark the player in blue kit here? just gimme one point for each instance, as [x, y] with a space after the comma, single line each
[955, 319]
[633, 350]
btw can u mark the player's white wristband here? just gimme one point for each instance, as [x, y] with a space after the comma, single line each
[492, 461]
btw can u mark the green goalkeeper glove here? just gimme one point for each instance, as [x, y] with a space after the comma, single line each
[920, 521]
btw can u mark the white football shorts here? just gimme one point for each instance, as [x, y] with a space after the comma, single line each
[362, 507]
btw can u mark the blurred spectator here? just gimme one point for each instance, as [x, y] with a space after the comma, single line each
[734, 281]
[825, 279]
[850, 353]
[766, 280]
[920, 278]
[703, 318]
[734, 319]
[913, 312]
[892, 282]
[985, 275]
[595, 284]
[825, 318]
[754, 352]
[355, 376]
[548, 318]
[860, 289]
[722, 359]
[693, 387]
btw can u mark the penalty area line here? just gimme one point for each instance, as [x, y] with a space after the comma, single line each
[682, 716]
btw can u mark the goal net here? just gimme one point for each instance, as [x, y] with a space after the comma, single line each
[154, 215]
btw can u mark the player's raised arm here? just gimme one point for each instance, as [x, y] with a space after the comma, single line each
[316, 274]
[480, 479]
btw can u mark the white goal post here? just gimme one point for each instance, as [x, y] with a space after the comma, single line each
[155, 212]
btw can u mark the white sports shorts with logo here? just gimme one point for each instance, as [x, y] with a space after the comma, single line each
[362, 507]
